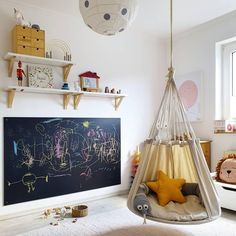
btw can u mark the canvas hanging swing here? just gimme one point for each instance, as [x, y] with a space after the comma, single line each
[173, 183]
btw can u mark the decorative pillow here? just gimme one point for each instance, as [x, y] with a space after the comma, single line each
[190, 189]
[167, 189]
[226, 169]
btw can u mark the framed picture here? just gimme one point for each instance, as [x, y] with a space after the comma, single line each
[89, 81]
[190, 91]
[40, 76]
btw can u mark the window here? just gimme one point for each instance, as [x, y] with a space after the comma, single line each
[226, 80]
[233, 83]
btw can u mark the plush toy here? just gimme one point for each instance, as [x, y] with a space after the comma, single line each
[141, 203]
[226, 169]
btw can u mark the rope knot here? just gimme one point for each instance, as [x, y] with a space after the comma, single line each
[171, 72]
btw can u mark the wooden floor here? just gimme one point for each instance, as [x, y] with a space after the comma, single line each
[14, 226]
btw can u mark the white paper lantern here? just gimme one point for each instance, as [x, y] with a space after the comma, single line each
[108, 17]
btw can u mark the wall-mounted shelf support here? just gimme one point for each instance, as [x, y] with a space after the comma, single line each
[10, 66]
[66, 71]
[10, 97]
[77, 98]
[66, 100]
[11, 90]
[118, 101]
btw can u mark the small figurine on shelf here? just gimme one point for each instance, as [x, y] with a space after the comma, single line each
[35, 26]
[65, 86]
[119, 91]
[20, 72]
[113, 91]
[20, 18]
[106, 90]
[77, 86]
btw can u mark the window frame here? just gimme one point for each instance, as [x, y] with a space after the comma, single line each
[229, 101]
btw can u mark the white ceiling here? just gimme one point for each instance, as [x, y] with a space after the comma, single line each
[153, 15]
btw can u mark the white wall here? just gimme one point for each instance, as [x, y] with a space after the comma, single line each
[195, 51]
[132, 61]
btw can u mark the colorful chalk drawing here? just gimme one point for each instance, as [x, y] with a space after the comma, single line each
[46, 157]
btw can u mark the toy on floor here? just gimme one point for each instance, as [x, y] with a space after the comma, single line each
[55, 215]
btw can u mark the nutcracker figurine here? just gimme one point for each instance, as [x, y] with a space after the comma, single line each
[20, 72]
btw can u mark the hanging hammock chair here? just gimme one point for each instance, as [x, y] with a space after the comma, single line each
[173, 183]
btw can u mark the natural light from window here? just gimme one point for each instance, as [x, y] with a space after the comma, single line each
[233, 84]
[226, 80]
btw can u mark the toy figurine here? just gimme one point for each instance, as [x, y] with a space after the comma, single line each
[65, 86]
[113, 91]
[20, 72]
[20, 18]
[106, 90]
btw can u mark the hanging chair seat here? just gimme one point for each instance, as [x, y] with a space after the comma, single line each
[191, 210]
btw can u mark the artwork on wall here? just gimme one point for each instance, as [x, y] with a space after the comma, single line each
[58, 49]
[40, 76]
[46, 157]
[190, 91]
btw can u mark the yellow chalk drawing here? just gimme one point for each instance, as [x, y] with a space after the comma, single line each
[29, 179]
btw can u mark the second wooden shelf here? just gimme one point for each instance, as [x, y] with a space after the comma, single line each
[67, 94]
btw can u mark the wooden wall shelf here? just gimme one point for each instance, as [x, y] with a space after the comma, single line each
[117, 97]
[223, 132]
[12, 57]
[67, 94]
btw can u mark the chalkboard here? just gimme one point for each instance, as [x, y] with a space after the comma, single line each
[46, 157]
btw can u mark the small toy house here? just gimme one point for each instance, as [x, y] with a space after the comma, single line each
[89, 81]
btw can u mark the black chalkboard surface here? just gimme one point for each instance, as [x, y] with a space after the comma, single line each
[46, 157]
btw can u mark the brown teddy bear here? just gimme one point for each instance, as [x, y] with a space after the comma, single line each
[226, 169]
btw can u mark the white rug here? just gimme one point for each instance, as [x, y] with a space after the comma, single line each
[122, 222]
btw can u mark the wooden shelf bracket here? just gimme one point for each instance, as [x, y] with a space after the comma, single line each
[66, 100]
[77, 98]
[66, 71]
[10, 66]
[10, 97]
[118, 101]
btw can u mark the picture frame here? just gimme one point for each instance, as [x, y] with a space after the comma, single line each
[40, 76]
[190, 91]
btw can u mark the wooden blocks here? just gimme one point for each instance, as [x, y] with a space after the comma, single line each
[28, 41]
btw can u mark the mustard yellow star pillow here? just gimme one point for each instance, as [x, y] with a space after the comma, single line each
[167, 189]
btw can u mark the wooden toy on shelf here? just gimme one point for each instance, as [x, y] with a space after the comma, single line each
[20, 73]
[29, 41]
[89, 81]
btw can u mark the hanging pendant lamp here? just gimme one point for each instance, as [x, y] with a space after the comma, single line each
[108, 17]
